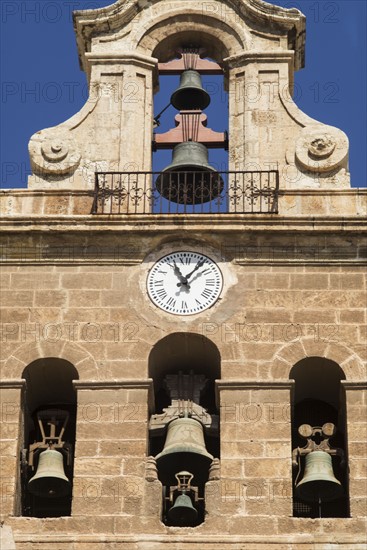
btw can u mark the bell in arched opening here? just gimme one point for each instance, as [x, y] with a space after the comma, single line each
[189, 179]
[50, 480]
[190, 94]
[319, 482]
[184, 449]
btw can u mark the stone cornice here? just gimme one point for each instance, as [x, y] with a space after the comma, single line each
[144, 223]
[267, 17]
[253, 384]
[351, 385]
[12, 384]
[127, 383]
[127, 58]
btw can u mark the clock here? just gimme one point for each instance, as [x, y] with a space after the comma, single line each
[184, 283]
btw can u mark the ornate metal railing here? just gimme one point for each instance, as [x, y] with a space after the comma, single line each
[186, 192]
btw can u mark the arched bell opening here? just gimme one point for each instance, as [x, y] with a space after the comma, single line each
[190, 144]
[184, 431]
[49, 411]
[319, 440]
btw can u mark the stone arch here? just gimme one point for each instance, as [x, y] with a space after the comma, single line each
[290, 354]
[184, 351]
[174, 26]
[74, 353]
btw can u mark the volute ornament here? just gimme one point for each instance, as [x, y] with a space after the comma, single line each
[321, 148]
[53, 152]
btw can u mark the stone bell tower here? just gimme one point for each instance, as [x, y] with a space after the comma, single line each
[183, 349]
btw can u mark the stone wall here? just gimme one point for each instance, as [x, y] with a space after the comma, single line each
[99, 318]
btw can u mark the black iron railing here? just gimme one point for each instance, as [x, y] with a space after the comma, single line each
[186, 192]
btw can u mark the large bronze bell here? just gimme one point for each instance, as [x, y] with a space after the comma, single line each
[190, 94]
[50, 480]
[184, 448]
[319, 482]
[183, 513]
[189, 179]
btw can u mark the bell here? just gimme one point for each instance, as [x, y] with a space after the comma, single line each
[50, 480]
[183, 513]
[190, 94]
[319, 482]
[184, 448]
[189, 179]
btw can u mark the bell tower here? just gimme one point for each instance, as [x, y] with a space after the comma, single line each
[183, 354]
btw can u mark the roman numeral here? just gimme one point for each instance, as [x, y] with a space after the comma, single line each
[210, 282]
[161, 293]
[171, 302]
[158, 283]
[184, 305]
[206, 293]
[185, 260]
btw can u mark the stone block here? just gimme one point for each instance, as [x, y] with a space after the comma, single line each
[84, 298]
[15, 315]
[272, 281]
[43, 281]
[129, 448]
[86, 449]
[22, 298]
[242, 449]
[358, 507]
[353, 316]
[231, 468]
[83, 281]
[357, 432]
[90, 315]
[134, 467]
[267, 468]
[8, 448]
[313, 281]
[358, 468]
[357, 488]
[347, 281]
[100, 466]
[357, 413]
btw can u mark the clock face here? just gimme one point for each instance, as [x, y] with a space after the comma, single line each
[184, 283]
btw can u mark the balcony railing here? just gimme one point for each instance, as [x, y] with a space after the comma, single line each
[186, 192]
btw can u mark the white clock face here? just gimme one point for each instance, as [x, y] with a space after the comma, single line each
[184, 283]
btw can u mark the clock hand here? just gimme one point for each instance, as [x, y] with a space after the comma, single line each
[183, 280]
[178, 274]
[198, 265]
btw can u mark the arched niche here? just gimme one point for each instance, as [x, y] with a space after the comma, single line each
[68, 352]
[49, 396]
[211, 45]
[318, 399]
[184, 351]
[163, 29]
[49, 380]
[317, 378]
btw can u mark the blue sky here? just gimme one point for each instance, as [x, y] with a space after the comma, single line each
[42, 84]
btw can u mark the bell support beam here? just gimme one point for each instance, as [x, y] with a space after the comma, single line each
[190, 126]
[202, 66]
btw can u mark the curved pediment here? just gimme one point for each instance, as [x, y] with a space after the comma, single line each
[121, 19]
